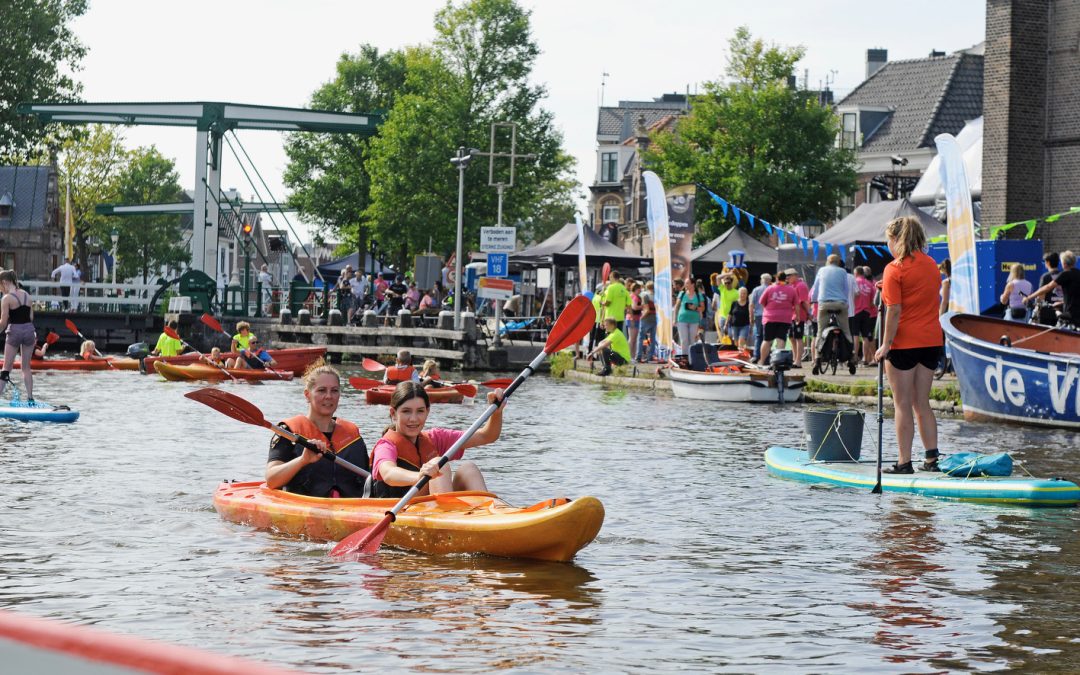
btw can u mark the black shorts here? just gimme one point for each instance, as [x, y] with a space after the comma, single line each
[776, 331]
[906, 359]
[862, 325]
[798, 330]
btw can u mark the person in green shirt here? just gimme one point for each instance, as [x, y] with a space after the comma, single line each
[243, 336]
[615, 299]
[729, 294]
[613, 350]
[167, 346]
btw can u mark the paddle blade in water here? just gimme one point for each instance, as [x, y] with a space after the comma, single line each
[211, 322]
[72, 327]
[497, 383]
[364, 383]
[574, 323]
[467, 390]
[230, 405]
[372, 365]
[363, 541]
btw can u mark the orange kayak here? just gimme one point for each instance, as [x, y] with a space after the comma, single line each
[295, 360]
[455, 522]
[66, 364]
[201, 371]
[449, 394]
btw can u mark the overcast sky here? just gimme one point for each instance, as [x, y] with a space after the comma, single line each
[277, 52]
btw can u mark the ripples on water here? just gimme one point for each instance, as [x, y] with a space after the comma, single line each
[704, 564]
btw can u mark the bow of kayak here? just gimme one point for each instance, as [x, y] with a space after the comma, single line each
[458, 522]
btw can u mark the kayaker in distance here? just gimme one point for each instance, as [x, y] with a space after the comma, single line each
[167, 346]
[17, 318]
[406, 452]
[253, 357]
[402, 370]
[88, 352]
[243, 337]
[215, 358]
[299, 470]
[429, 374]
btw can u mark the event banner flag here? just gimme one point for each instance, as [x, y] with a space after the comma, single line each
[656, 213]
[680, 206]
[582, 271]
[964, 290]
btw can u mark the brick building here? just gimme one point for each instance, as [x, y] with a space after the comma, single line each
[1031, 135]
[31, 239]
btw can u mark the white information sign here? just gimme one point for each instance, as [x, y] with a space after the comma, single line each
[498, 239]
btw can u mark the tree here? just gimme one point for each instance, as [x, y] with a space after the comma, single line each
[148, 242]
[761, 144]
[91, 168]
[39, 49]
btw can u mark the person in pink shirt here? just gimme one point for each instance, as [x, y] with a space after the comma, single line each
[381, 303]
[862, 322]
[406, 451]
[778, 307]
[800, 315]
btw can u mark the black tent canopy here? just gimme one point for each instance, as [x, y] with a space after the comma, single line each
[561, 249]
[867, 223]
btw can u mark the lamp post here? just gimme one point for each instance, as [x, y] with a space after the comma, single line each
[115, 236]
[461, 161]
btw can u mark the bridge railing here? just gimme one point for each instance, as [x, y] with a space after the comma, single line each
[103, 297]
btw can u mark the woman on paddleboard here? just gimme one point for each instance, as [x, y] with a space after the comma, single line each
[303, 471]
[406, 451]
[17, 318]
[912, 339]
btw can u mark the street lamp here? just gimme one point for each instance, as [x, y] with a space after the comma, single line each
[461, 161]
[115, 236]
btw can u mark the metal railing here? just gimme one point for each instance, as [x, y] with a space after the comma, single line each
[122, 298]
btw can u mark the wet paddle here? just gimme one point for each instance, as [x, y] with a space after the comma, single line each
[880, 397]
[75, 329]
[216, 325]
[373, 366]
[365, 383]
[573, 324]
[176, 336]
[240, 409]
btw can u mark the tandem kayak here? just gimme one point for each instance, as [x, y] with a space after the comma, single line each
[39, 411]
[795, 464]
[294, 360]
[454, 393]
[195, 372]
[456, 522]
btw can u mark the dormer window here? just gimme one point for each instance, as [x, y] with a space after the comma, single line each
[609, 167]
[5, 206]
[849, 134]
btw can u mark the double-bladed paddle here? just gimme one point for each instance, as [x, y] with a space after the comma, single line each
[75, 329]
[176, 336]
[247, 412]
[573, 324]
[216, 325]
[365, 383]
[880, 395]
[373, 366]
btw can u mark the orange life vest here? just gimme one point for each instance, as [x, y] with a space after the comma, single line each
[321, 478]
[345, 432]
[396, 374]
[409, 456]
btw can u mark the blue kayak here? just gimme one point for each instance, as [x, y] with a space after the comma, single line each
[795, 464]
[37, 411]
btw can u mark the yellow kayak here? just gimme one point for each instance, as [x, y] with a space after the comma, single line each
[456, 522]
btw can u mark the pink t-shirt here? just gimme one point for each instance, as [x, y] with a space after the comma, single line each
[802, 294]
[778, 302]
[864, 294]
[385, 451]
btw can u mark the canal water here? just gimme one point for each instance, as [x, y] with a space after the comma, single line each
[704, 563]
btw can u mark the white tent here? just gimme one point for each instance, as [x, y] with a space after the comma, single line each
[970, 140]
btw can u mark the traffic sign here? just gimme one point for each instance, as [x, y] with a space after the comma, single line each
[498, 239]
[495, 289]
[498, 265]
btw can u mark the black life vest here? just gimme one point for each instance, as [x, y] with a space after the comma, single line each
[320, 478]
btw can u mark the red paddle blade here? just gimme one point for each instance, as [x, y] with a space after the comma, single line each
[230, 405]
[211, 322]
[71, 326]
[497, 383]
[171, 332]
[363, 383]
[605, 272]
[51, 338]
[372, 365]
[574, 323]
[467, 390]
[363, 541]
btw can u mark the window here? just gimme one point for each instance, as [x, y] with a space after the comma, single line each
[609, 166]
[610, 213]
[849, 134]
[846, 206]
[7, 260]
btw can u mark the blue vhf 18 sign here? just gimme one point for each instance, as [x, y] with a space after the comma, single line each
[498, 265]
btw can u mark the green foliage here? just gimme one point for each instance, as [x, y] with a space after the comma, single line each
[148, 242]
[39, 51]
[769, 148]
[561, 362]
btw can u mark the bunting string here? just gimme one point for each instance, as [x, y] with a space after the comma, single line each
[782, 235]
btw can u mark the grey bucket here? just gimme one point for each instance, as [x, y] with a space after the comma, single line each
[833, 435]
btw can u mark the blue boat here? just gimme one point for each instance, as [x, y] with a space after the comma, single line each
[1015, 372]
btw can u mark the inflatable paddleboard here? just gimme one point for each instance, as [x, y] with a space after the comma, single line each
[38, 411]
[1018, 490]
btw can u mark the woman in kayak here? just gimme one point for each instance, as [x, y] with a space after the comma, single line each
[17, 318]
[304, 471]
[406, 451]
[912, 339]
[88, 352]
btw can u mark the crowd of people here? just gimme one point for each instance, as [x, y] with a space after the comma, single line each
[357, 292]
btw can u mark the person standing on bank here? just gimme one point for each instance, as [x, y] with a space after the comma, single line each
[689, 306]
[1014, 297]
[17, 318]
[756, 311]
[912, 339]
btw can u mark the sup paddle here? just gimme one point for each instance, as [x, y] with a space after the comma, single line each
[176, 336]
[245, 411]
[880, 396]
[573, 324]
[371, 365]
[216, 325]
[75, 329]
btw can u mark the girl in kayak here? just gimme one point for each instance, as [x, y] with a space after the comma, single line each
[406, 451]
[88, 352]
[298, 469]
[17, 318]
[214, 358]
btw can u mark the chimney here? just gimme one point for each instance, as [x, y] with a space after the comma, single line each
[875, 60]
[935, 53]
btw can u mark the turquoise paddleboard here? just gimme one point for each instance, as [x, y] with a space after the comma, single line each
[36, 412]
[795, 464]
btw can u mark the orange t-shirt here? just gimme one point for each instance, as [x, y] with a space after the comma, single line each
[914, 283]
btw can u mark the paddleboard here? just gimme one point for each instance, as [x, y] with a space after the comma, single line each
[39, 411]
[1018, 490]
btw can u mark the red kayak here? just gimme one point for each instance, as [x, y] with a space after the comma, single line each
[66, 364]
[295, 360]
[455, 393]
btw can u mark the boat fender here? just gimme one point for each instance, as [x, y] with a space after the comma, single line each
[1005, 341]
